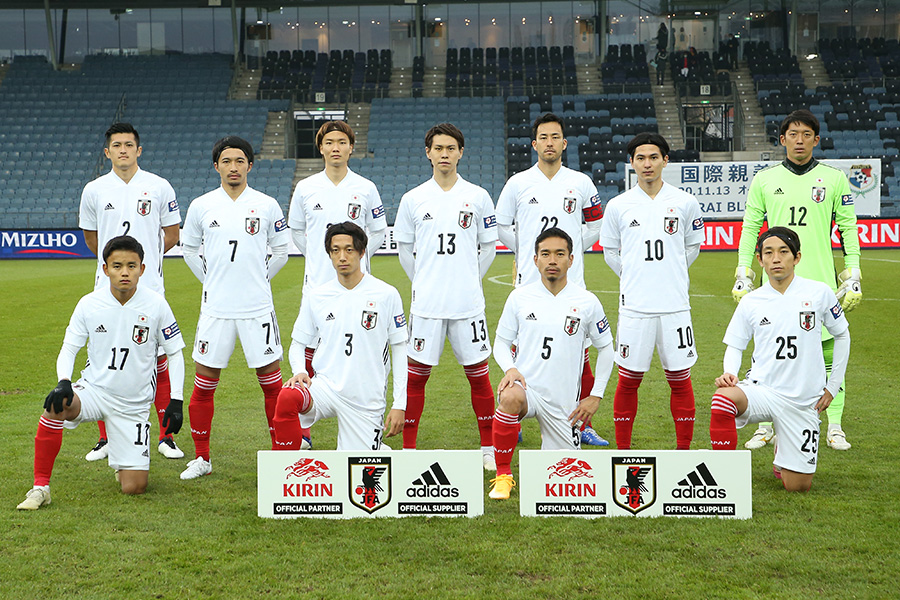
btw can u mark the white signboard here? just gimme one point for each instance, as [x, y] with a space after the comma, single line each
[346, 485]
[722, 187]
[643, 483]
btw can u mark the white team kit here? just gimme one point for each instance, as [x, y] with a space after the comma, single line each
[317, 203]
[237, 297]
[139, 208]
[551, 333]
[652, 235]
[357, 327]
[788, 370]
[118, 382]
[536, 203]
[447, 228]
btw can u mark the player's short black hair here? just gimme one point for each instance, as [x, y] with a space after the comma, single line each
[788, 236]
[445, 129]
[553, 232]
[122, 128]
[232, 141]
[123, 242]
[336, 125]
[356, 233]
[803, 117]
[547, 118]
[647, 137]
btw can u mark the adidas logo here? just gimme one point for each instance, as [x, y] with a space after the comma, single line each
[690, 354]
[100, 329]
[634, 223]
[811, 461]
[764, 321]
[531, 317]
[427, 217]
[533, 201]
[109, 206]
[484, 348]
[268, 351]
[778, 192]
[145, 453]
[699, 483]
[433, 483]
[214, 224]
[317, 207]
[330, 317]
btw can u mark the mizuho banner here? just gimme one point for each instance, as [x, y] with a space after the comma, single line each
[722, 187]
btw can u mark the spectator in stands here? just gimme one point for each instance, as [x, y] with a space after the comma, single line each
[732, 47]
[662, 38]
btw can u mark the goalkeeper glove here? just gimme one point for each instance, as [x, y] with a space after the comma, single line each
[743, 282]
[850, 290]
[173, 416]
[54, 400]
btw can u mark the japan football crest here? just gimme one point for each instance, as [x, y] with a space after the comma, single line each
[671, 225]
[369, 318]
[353, 211]
[807, 320]
[572, 323]
[140, 334]
[202, 346]
[143, 207]
[623, 350]
[419, 344]
[570, 202]
[818, 194]
[634, 483]
[251, 225]
[465, 219]
[370, 482]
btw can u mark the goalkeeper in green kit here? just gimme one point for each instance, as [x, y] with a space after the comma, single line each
[805, 195]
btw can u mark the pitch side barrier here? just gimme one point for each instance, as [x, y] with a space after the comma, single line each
[450, 483]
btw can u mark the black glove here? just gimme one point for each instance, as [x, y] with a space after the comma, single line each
[54, 400]
[173, 416]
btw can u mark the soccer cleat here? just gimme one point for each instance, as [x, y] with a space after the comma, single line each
[837, 439]
[592, 438]
[169, 449]
[487, 459]
[197, 468]
[306, 444]
[501, 486]
[764, 435]
[35, 498]
[100, 451]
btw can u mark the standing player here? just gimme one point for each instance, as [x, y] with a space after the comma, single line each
[551, 195]
[551, 319]
[451, 225]
[651, 234]
[787, 380]
[131, 201]
[123, 327]
[356, 316]
[804, 194]
[234, 223]
[331, 196]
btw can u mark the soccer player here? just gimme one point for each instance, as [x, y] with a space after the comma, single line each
[650, 236]
[551, 195]
[787, 381]
[551, 319]
[131, 201]
[234, 223]
[331, 196]
[123, 326]
[451, 225]
[806, 195]
[356, 316]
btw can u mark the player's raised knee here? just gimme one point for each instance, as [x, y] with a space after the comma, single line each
[512, 400]
[291, 401]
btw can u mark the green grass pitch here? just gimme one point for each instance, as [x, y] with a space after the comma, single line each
[202, 539]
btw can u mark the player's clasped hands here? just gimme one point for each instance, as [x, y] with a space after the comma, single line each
[726, 380]
[54, 401]
[510, 378]
[298, 380]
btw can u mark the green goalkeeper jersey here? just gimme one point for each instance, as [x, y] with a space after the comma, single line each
[806, 199]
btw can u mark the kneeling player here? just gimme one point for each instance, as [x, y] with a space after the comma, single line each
[123, 326]
[551, 321]
[787, 383]
[357, 317]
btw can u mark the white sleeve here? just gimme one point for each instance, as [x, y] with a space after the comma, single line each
[486, 257]
[400, 374]
[278, 259]
[603, 369]
[176, 375]
[503, 353]
[590, 235]
[732, 361]
[613, 258]
[65, 362]
[299, 237]
[507, 236]
[297, 357]
[692, 251]
[376, 238]
[407, 260]
[194, 262]
[839, 362]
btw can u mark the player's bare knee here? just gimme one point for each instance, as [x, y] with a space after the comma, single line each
[133, 483]
[512, 400]
[796, 482]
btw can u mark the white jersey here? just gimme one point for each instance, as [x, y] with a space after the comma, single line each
[786, 330]
[357, 327]
[653, 235]
[235, 235]
[535, 203]
[123, 342]
[446, 228]
[317, 203]
[139, 208]
[551, 332]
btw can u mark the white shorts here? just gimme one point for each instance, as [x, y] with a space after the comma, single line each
[127, 426]
[797, 428]
[357, 429]
[214, 342]
[556, 431]
[671, 335]
[468, 338]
